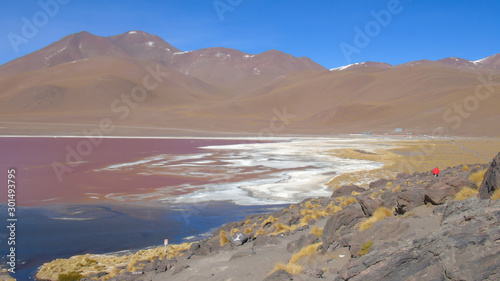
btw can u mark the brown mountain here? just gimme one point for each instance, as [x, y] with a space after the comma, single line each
[77, 81]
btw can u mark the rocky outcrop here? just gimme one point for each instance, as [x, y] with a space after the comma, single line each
[464, 248]
[491, 181]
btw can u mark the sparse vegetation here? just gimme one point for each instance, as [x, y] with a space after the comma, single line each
[72, 276]
[379, 214]
[248, 230]
[223, 238]
[465, 192]
[234, 231]
[397, 188]
[495, 195]
[365, 248]
[292, 269]
[260, 232]
[304, 252]
[317, 231]
[477, 177]
[306, 212]
[465, 168]
[348, 202]
[269, 220]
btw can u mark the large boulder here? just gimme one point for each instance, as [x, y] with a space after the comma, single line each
[342, 221]
[491, 181]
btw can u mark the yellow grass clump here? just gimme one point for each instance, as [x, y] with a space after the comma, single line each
[254, 225]
[477, 177]
[234, 231]
[332, 208]
[292, 206]
[348, 202]
[379, 214]
[292, 269]
[260, 232]
[90, 264]
[465, 192]
[306, 212]
[248, 221]
[354, 193]
[247, 230]
[317, 231]
[271, 219]
[388, 185]
[319, 213]
[397, 188]
[495, 195]
[305, 220]
[311, 205]
[306, 251]
[465, 168]
[374, 195]
[281, 228]
[340, 199]
[223, 238]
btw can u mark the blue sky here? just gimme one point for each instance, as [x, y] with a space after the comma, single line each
[331, 32]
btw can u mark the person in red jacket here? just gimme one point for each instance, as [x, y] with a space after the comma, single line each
[435, 172]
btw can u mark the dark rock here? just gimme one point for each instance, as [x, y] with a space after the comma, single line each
[279, 275]
[369, 205]
[314, 272]
[491, 181]
[344, 219]
[294, 245]
[238, 239]
[381, 183]
[194, 247]
[294, 220]
[464, 248]
[346, 190]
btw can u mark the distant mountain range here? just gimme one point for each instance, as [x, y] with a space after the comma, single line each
[142, 85]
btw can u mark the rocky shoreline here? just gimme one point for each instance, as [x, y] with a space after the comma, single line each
[412, 227]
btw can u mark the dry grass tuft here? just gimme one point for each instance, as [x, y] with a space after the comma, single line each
[307, 251]
[379, 214]
[234, 231]
[477, 177]
[465, 192]
[247, 230]
[311, 205]
[223, 238]
[306, 212]
[348, 202]
[248, 222]
[332, 208]
[465, 168]
[397, 188]
[305, 220]
[260, 232]
[319, 214]
[292, 269]
[374, 195]
[317, 231]
[495, 195]
[354, 193]
[340, 199]
[271, 219]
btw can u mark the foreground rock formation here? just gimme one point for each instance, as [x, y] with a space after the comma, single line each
[413, 227]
